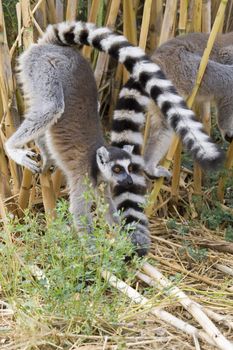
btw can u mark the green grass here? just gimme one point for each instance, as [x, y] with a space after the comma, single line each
[51, 277]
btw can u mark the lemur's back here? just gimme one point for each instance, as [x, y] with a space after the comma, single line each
[59, 67]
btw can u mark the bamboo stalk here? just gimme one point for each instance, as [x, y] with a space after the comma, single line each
[192, 307]
[51, 11]
[59, 10]
[156, 311]
[92, 18]
[183, 16]
[168, 26]
[222, 180]
[103, 58]
[7, 97]
[48, 195]
[156, 20]
[71, 10]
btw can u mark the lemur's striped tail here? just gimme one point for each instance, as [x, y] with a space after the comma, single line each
[128, 120]
[151, 78]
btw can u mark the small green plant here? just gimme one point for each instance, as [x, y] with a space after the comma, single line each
[55, 272]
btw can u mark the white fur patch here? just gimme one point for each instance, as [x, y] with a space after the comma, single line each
[137, 214]
[130, 51]
[138, 118]
[144, 67]
[128, 136]
[111, 40]
[161, 83]
[128, 195]
[168, 97]
[98, 31]
[142, 100]
[138, 180]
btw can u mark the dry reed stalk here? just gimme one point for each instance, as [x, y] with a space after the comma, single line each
[116, 88]
[26, 184]
[48, 195]
[129, 29]
[19, 19]
[183, 16]
[197, 22]
[169, 21]
[13, 47]
[51, 11]
[103, 59]
[166, 290]
[91, 18]
[57, 179]
[59, 11]
[71, 10]
[192, 307]
[176, 173]
[156, 311]
[156, 20]
[228, 166]
[7, 97]
[217, 23]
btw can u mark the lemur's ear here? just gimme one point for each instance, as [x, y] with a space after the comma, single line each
[128, 148]
[102, 157]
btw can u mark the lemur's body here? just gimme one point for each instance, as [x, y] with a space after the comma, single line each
[63, 120]
[179, 58]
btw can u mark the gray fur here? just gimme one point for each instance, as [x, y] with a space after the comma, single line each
[62, 118]
[179, 58]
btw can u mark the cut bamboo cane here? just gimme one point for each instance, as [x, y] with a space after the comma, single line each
[156, 20]
[71, 10]
[228, 165]
[192, 307]
[49, 198]
[51, 11]
[156, 311]
[7, 97]
[129, 29]
[103, 58]
[59, 11]
[183, 16]
[168, 26]
[91, 18]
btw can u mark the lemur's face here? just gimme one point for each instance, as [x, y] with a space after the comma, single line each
[121, 172]
[115, 165]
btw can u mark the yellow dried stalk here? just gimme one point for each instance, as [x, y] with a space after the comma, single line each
[129, 29]
[156, 20]
[92, 18]
[103, 58]
[26, 185]
[7, 97]
[168, 26]
[183, 16]
[59, 10]
[197, 18]
[203, 64]
[222, 180]
[51, 11]
[71, 10]
[48, 195]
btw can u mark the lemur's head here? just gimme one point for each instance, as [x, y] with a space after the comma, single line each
[115, 165]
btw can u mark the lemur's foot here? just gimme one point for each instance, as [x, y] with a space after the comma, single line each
[156, 172]
[28, 159]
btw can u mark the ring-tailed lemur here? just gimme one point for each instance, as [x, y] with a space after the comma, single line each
[62, 118]
[147, 82]
[180, 58]
[178, 116]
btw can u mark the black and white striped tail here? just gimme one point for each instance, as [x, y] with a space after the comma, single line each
[128, 120]
[151, 79]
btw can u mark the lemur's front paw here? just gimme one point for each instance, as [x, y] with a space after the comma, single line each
[30, 160]
[156, 172]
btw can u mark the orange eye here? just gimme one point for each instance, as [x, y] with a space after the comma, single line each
[130, 168]
[116, 169]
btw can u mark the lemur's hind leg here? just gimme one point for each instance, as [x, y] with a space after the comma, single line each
[157, 144]
[42, 113]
